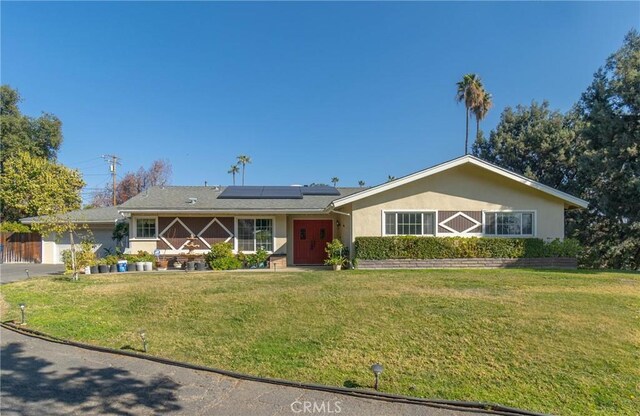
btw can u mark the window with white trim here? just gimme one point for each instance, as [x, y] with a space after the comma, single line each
[145, 228]
[255, 233]
[409, 223]
[520, 223]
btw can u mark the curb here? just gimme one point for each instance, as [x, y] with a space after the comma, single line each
[487, 408]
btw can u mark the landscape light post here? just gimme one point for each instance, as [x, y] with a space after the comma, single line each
[22, 308]
[377, 370]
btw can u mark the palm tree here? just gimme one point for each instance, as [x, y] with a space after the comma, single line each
[391, 178]
[469, 92]
[335, 181]
[481, 109]
[361, 183]
[234, 169]
[243, 160]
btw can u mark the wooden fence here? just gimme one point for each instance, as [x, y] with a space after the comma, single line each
[21, 247]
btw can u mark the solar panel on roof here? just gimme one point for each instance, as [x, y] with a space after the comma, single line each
[241, 192]
[319, 190]
[281, 192]
[261, 192]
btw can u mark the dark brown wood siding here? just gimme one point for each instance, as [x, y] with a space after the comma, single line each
[177, 234]
[459, 223]
[21, 247]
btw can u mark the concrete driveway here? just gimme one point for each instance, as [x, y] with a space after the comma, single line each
[41, 377]
[10, 272]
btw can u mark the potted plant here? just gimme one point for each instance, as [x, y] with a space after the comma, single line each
[176, 263]
[335, 252]
[93, 266]
[103, 267]
[131, 262]
[112, 261]
[162, 264]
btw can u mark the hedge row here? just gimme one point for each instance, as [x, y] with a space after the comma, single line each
[408, 247]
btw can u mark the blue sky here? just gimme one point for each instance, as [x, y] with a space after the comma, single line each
[308, 90]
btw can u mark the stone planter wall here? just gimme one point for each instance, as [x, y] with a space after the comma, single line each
[476, 263]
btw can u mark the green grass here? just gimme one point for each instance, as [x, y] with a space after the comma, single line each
[548, 341]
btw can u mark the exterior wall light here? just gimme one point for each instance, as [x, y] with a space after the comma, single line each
[377, 370]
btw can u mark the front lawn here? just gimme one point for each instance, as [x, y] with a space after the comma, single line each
[548, 341]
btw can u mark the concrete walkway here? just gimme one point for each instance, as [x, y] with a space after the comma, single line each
[41, 377]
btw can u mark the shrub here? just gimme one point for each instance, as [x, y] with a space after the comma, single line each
[84, 257]
[409, 247]
[221, 257]
[256, 259]
[145, 256]
[335, 252]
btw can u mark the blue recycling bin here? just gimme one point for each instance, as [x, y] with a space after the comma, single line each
[122, 266]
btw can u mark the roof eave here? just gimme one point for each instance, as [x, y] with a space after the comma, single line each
[454, 163]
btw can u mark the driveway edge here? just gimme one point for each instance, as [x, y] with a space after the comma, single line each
[487, 408]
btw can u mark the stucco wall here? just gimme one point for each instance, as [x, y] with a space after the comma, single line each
[53, 246]
[464, 188]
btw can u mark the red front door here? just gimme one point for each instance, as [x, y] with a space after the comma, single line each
[310, 238]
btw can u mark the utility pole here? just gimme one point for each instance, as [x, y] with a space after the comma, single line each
[113, 162]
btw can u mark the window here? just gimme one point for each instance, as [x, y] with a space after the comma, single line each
[508, 223]
[409, 223]
[146, 228]
[254, 234]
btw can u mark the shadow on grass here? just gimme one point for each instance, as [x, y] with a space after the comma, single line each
[29, 381]
[351, 384]
[130, 348]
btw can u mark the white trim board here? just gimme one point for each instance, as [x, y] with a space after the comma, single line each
[569, 199]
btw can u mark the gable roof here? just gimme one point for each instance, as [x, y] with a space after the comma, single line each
[104, 215]
[571, 201]
[195, 199]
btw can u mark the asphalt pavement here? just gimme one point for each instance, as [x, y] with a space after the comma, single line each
[11, 272]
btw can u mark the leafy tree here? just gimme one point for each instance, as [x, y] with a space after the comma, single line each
[390, 178]
[470, 92]
[536, 142]
[361, 183]
[41, 136]
[610, 166]
[335, 181]
[132, 183]
[234, 169]
[55, 221]
[243, 160]
[32, 186]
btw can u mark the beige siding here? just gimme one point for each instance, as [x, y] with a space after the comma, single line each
[464, 188]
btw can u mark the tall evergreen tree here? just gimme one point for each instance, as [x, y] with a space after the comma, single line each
[610, 166]
[537, 142]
